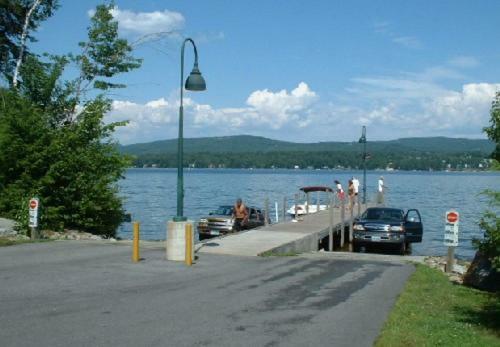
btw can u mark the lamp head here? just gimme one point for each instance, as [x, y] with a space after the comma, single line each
[195, 81]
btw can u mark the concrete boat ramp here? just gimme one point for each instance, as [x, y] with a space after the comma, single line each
[281, 238]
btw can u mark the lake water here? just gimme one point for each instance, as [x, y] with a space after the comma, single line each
[150, 195]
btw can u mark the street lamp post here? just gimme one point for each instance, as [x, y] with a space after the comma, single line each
[362, 140]
[194, 82]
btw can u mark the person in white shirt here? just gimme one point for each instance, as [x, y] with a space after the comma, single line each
[381, 191]
[355, 182]
[340, 190]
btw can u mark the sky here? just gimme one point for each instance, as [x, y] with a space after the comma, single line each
[300, 71]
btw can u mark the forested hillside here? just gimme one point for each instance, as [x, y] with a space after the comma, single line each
[436, 153]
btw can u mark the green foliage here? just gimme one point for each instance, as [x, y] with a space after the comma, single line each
[317, 159]
[104, 54]
[251, 151]
[490, 221]
[493, 131]
[56, 147]
[71, 168]
[247, 144]
[12, 17]
[489, 245]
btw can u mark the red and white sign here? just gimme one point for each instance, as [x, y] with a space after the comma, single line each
[33, 213]
[452, 216]
[33, 204]
[451, 228]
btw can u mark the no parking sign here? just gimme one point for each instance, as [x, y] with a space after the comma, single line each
[451, 228]
[33, 212]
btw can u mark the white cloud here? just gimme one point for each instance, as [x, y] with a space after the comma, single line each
[146, 121]
[467, 109]
[390, 106]
[265, 109]
[398, 107]
[148, 22]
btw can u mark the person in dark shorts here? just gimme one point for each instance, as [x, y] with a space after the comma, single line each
[240, 215]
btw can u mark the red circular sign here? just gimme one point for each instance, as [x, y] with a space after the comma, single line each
[452, 217]
[33, 204]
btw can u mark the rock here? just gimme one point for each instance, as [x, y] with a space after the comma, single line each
[482, 275]
[459, 269]
[69, 234]
[7, 227]
[439, 263]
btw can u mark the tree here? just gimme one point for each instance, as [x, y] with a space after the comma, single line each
[17, 19]
[490, 221]
[54, 142]
[103, 55]
[493, 131]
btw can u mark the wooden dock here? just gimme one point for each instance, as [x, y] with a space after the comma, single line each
[285, 238]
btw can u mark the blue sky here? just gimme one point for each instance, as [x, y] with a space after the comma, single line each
[302, 70]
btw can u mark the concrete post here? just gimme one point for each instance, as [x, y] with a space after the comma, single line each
[176, 240]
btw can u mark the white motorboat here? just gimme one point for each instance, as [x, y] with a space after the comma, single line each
[303, 209]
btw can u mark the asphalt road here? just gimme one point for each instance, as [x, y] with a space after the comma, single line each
[90, 294]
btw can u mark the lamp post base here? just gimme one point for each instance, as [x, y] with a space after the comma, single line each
[176, 240]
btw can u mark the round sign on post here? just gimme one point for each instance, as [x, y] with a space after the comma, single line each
[33, 204]
[452, 217]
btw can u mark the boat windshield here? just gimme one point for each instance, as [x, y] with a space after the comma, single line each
[223, 211]
[383, 214]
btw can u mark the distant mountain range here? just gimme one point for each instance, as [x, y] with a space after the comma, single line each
[257, 144]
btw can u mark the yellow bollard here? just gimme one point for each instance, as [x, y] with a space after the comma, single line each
[135, 243]
[189, 245]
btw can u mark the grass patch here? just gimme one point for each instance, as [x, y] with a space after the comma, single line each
[7, 242]
[432, 311]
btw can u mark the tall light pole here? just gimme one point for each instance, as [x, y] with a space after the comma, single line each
[362, 140]
[194, 82]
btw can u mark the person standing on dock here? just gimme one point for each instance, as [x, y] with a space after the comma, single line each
[350, 194]
[340, 191]
[240, 215]
[381, 191]
[355, 182]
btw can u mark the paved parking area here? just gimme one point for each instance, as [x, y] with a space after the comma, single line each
[90, 294]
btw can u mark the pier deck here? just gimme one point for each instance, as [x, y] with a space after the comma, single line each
[288, 237]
